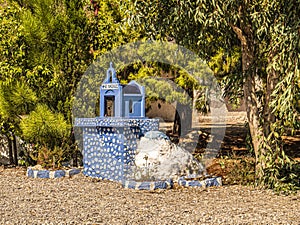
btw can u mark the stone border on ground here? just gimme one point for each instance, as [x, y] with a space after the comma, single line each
[131, 184]
[34, 173]
[148, 185]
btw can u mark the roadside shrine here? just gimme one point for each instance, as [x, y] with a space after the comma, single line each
[110, 140]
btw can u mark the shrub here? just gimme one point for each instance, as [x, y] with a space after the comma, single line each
[49, 132]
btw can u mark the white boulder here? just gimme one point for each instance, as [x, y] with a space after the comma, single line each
[159, 159]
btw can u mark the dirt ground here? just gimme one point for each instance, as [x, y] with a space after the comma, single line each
[82, 200]
[234, 141]
[234, 153]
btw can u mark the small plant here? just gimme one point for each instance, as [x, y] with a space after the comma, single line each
[281, 173]
[238, 170]
[48, 158]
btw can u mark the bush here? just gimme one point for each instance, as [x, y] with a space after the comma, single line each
[49, 132]
[45, 128]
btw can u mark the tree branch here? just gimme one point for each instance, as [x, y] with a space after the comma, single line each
[239, 33]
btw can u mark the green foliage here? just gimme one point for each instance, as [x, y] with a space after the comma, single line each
[12, 48]
[253, 48]
[12, 60]
[282, 175]
[109, 28]
[16, 99]
[158, 87]
[45, 47]
[227, 68]
[45, 128]
[280, 172]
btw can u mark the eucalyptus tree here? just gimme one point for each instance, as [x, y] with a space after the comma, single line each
[267, 35]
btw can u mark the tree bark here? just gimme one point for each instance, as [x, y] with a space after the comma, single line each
[74, 149]
[183, 119]
[195, 115]
[177, 123]
[15, 149]
[10, 150]
[250, 87]
[256, 131]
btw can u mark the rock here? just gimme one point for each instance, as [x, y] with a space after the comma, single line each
[156, 135]
[158, 158]
[39, 172]
[4, 156]
[37, 167]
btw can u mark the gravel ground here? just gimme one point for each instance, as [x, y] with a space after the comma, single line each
[82, 200]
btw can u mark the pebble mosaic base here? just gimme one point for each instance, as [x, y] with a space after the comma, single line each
[110, 145]
[143, 123]
[31, 172]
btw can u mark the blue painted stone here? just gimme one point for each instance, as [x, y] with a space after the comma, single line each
[182, 182]
[112, 147]
[213, 182]
[209, 182]
[148, 185]
[43, 174]
[144, 186]
[30, 173]
[195, 183]
[59, 173]
[132, 185]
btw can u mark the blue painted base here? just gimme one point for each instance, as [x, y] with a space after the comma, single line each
[109, 145]
[31, 172]
[148, 185]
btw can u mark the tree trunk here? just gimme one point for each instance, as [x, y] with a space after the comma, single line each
[253, 105]
[15, 149]
[74, 148]
[10, 150]
[177, 123]
[183, 119]
[195, 114]
[254, 126]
